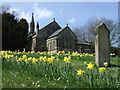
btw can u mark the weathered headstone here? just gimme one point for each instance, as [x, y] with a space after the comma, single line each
[102, 45]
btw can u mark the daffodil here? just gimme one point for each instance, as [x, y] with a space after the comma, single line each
[112, 54]
[67, 59]
[80, 72]
[41, 58]
[26, 60]
[24, 57]
[106, 63]
[34, 60]
[85, 62]
[20, 59]
[102, 69]
[7, 56]
[53, 57]
[50, 60]
[63, 52]
[90, 66]
[30, 58]
[44, 58]
[3, 52]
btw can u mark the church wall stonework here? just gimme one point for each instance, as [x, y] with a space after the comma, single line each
[67, 40]
[44, 33]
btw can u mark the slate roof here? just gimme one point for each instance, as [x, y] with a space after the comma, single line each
[49, 25]
[56, 33]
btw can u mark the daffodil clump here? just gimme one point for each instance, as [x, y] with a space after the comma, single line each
[78, 70]
[7, 56]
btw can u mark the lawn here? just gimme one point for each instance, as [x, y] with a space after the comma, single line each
[47, 70]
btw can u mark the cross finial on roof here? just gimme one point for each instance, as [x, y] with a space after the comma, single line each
[67, 24]
[54, 19]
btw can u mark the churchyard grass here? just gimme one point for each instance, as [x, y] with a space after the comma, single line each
[60, 70]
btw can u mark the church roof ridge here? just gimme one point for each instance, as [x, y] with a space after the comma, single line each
[56, 32]
[49, 24]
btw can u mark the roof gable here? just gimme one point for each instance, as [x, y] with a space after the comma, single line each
[56, 33]
[53, 23]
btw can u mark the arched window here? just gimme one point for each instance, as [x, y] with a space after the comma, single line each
[50, 45]
[54, 44]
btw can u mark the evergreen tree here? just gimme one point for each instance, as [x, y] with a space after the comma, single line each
[9, 23]
[14, 33]
[22, 33]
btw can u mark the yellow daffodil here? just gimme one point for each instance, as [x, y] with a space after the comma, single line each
[44, 58]
[102, 69]
[3, 52]
[24, 57]
[50, 60]
[90, 66]
[106, 63]
[8, 56]
[80, 72]
[41, 58]
[34, 60]
[85, 62]
[30, 58]
[26, 60]
[63, 52]
[20, 59]
[53, 57]
[67, 59]
[112, 54]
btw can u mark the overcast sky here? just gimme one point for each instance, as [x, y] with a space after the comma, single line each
[73, 13]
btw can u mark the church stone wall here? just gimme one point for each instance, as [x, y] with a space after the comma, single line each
[67, 40]
[46, 32]
[52, 44]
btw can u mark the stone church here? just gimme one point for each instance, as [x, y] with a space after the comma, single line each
[51, 38]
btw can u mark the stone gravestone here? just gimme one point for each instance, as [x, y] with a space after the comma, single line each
[102, 45]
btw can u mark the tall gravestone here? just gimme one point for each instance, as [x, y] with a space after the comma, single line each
[102, 45]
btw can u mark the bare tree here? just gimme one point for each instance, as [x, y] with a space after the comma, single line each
[111, 25]
[81, 33]
[4, 8]
[87, 33]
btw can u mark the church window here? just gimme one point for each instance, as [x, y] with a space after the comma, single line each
[50, 45]
[54, 44]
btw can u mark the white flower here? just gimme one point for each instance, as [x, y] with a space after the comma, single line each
[58, 79]
[64, 87]
[23, 85]
[38, 85]
[37, 81]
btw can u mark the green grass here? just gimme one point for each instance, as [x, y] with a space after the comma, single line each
[57, 75]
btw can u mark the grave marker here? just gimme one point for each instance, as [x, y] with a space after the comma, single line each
[102, 45]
